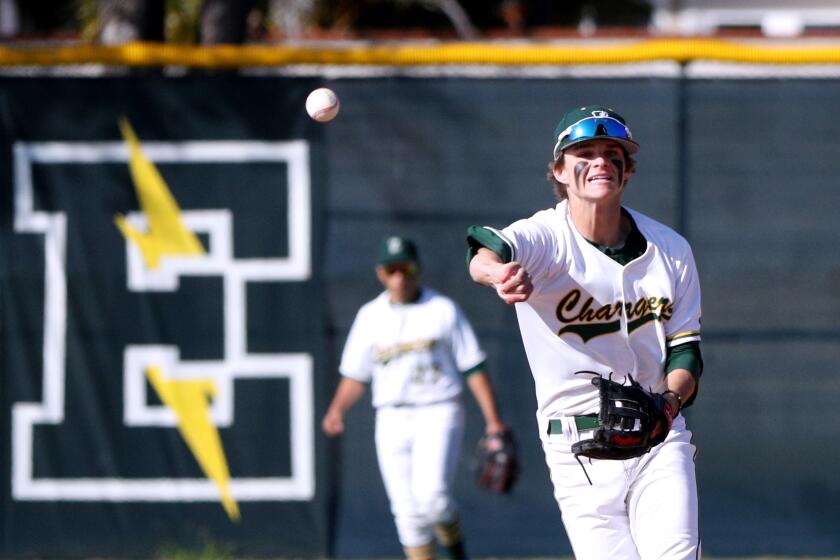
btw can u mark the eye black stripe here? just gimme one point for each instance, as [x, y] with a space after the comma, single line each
[619, 165]
[580, 170]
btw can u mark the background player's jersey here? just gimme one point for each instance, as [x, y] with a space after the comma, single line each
[587, 312]
[412, 353]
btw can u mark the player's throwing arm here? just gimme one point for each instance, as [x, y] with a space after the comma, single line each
[510, 280]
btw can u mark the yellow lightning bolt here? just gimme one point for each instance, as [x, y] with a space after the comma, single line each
[190, 400]
[167, 234]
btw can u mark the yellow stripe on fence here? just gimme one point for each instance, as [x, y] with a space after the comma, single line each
[395, 54]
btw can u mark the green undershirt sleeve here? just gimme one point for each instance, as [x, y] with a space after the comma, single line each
[478, 237]
[475, 369]
[686, 356]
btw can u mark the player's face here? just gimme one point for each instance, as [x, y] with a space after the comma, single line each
[595, 170]
[400, 279]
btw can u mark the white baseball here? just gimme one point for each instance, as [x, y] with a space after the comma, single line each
[322, 104]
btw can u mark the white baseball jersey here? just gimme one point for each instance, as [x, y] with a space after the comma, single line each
[588, 312]
[411, 353]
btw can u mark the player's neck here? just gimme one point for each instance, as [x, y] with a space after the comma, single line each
[603, 224]
[398, 298]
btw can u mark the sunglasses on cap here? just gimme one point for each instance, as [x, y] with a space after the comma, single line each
[407, 269]
[592, 127]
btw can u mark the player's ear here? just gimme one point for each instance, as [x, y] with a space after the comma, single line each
[559, 171]
[380, 273]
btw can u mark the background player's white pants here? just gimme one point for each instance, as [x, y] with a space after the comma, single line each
[417, 448]
[643, 508]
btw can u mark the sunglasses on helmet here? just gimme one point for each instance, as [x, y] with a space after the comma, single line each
[592, 127]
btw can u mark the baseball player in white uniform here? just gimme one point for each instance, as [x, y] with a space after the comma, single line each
[414, 346]
[601, 288]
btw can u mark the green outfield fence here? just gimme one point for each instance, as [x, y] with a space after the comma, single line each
[739, 153]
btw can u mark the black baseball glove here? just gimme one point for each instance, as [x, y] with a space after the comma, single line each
[496, 464]
[631, 421]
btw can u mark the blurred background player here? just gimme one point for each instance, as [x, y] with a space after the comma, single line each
[604, 289]
[415, 347]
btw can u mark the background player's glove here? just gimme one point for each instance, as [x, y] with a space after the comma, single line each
[630, 422]
[496, 464]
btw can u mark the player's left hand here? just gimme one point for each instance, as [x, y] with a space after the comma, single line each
[496, 463]
[667, 412]
[631, 420]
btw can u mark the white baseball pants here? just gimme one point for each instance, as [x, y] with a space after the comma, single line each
[638, 509]
[417, 448]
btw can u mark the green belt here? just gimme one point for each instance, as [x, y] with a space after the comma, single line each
[588, 422]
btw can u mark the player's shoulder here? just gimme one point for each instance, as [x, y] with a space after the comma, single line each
[434, 297]
[443, 304]
[658, 233]
[547, 221]
[375, 305]
[551, 216]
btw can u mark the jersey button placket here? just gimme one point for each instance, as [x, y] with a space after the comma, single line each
[626, 277]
